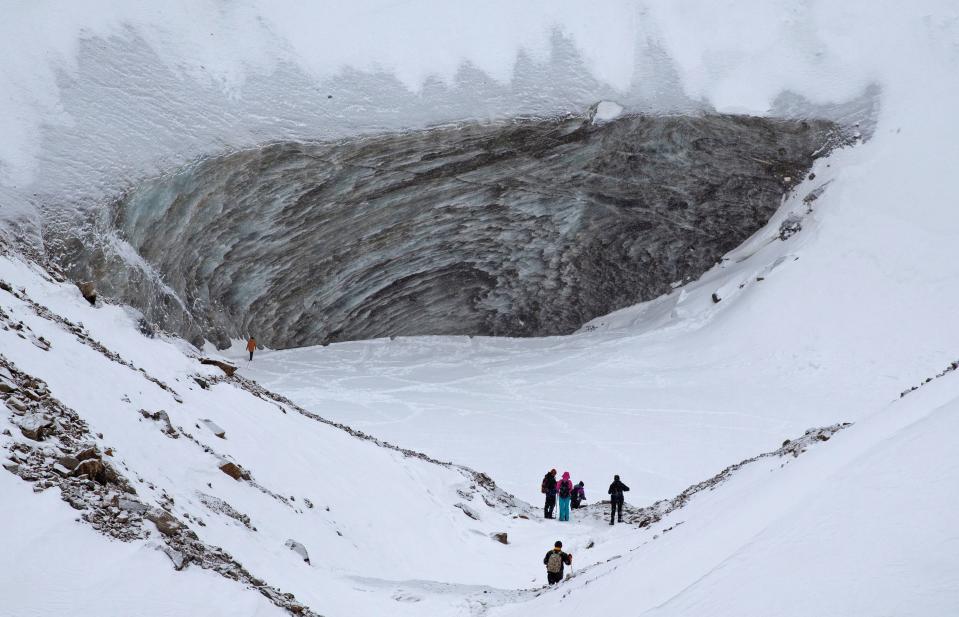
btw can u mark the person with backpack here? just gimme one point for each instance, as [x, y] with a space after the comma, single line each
[616, 499]
[548, 488]
[579, 495]
[251, 347]
[555, 561]
[565, 490]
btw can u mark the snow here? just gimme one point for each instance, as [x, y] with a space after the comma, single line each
[381, 524]
[857, 527]
[606, 111]
[829, 325]
[53, 565]
[670, 391]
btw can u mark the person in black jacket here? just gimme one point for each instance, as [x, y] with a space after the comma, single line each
[616, 499]
[555, 561]
[548, 487]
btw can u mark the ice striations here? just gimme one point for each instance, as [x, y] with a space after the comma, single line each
[520, 228]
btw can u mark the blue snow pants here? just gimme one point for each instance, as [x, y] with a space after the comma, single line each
[564, 508]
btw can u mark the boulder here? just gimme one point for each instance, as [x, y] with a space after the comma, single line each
[500, 537]
[7, 385]
[164, 418]
[226, 367]
[17, 405]
[166, 523]
[128, 505]
[36, 426]
[88, 453]
[215, 428]
[179, 559]
[234, 471]
[299, 549]
[468, 511]
[93, 469]
[89, 291]
[68, 462]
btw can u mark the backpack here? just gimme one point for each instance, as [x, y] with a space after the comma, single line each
[564, 489]
[555, 562]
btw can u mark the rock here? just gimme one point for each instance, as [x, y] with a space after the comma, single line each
[468, 511]
[89, 291]
[6, 385]
[11, 466]
[501, 537]
[165, 522]
[60, 469]
[109, 474]
[214, 428]
[88, 453]
[36, 426]
[226, 367]
[790, 227]
[164, 418]
[17, 404]
[92, 468]
[69, 462]
[128, 505]
[299, 549]
[716, 298]
[234, 471]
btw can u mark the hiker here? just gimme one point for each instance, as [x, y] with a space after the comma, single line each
[565, 489]
[548, 487]
[555, 561]
[616, 499]
[579, 495]
[251, 346]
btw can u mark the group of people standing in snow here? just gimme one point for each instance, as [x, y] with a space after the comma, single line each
[570, 495]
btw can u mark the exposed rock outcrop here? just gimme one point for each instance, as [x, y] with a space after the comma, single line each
[521, 228]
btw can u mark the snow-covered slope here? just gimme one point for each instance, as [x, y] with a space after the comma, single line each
[391, 532]
[796, 328]
[858, 527]
[827, 325]
[88, 379]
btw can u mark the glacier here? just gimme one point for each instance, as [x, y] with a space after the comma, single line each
[781, 400]
[524, 228]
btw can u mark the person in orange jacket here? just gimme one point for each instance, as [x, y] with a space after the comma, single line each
[251, 347]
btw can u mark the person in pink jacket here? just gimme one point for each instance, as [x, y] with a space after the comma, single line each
[564, 488]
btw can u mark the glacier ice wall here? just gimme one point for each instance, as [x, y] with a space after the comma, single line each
[517, 228]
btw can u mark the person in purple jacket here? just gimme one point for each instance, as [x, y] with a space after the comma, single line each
[579, 495]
